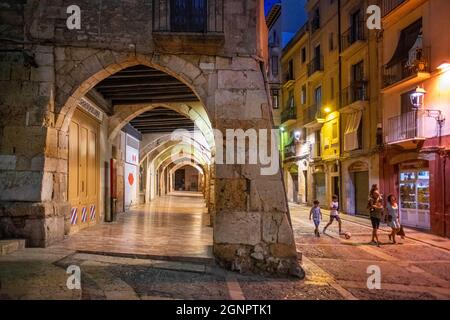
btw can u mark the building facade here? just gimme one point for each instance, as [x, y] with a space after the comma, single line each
[414, 52]
[354, 107]
[283, 20]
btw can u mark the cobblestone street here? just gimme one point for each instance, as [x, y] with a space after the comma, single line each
[418, 268]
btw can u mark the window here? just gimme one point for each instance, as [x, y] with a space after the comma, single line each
[290, 74]
[318, 96]
[275, 38]
[303, 95]
[291, 101]
[303, 54]
[274, 64]
[356, 26]
[317, 144]
[332, 88]
[331, 41]
[360, 134]
[188, 15]
[334, 134]
[358, 72]
[406, 105]
[275, 99]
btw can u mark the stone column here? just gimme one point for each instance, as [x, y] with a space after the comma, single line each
[33, 172]
[252, 231]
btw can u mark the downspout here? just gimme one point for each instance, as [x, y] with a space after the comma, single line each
[444, 188]
[341, 191]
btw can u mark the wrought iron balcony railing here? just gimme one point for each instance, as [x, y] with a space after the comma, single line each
[312, 113]
[315, 65]
[289, 113]
[290, 151]
[357, 91]
[353, 34]
[188, 16]
[389, 5]
[407, 67]
[404, 127]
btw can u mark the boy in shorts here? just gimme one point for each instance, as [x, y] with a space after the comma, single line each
[334, 215]
[316, 215]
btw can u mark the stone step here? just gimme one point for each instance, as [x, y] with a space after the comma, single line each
[10, 246]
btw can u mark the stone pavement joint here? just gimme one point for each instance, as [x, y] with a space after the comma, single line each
[234, 288]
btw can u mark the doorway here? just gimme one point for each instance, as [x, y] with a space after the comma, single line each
[361, 192]
[83, 171]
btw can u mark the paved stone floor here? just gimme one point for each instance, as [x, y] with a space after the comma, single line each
[129, 260]
[172, 226]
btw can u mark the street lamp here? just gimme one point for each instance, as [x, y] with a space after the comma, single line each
[417, 100]
[418, 97]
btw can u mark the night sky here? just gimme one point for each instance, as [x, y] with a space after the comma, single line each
[269, 4]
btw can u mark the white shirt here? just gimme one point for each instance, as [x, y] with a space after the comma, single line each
[334, 208]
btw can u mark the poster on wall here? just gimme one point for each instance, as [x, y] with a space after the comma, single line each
[131, 171]
[131, 181]
[132, 151]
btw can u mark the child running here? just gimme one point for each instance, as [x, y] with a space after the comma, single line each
[334, 215]
[316, 215]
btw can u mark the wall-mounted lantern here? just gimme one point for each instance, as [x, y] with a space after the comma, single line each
[418, 97]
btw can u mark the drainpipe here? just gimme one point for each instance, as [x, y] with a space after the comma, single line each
[444, 188]
[340, 104]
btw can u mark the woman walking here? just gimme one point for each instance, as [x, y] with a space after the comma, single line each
[393, 217]
[376, 212]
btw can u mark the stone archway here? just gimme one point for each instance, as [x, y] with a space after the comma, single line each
[251, 217]
[98, 65]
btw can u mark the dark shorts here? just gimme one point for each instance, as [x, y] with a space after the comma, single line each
[337, 218]
[375, 222]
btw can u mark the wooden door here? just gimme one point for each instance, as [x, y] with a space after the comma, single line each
[83, 171]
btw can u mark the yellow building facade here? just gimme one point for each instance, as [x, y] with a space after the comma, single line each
[334, 88]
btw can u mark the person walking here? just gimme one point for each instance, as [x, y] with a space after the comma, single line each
[316, 215]
[393, 217]
[334, 214]
[376, 212]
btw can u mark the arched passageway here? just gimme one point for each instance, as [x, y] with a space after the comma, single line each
[159, 140]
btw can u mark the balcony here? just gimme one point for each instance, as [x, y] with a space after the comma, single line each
[315, 66]
[289, 115]
[353, 36]
[288, 80]
[315, 24]
[407, 72]
[177, 24]
[405, 130]
[388, 6]
[313, 116]
[355, 95]
[290, 151]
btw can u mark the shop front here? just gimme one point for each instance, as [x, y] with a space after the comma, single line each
[414, 195]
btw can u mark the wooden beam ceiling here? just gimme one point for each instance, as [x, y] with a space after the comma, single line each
[161, 120]
[142, 84]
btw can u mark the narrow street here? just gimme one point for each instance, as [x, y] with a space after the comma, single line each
[163, 251]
